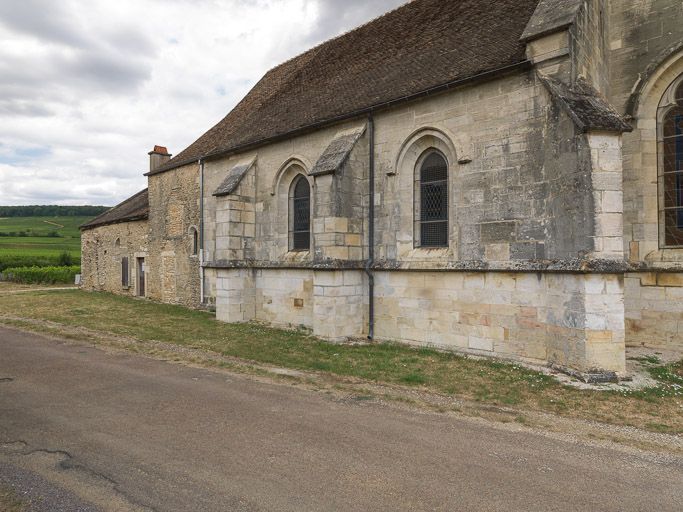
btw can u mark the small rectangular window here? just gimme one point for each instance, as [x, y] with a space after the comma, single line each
[124, 272]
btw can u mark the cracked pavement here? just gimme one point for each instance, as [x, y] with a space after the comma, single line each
[86, 430]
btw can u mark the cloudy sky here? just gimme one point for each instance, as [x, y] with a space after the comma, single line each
[88, 88]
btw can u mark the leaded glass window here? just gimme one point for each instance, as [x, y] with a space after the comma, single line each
[300, 214]
[671, 145]
[434, 201]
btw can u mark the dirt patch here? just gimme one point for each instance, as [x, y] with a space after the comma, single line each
[8, 287]
[9, 501]
[53, 224]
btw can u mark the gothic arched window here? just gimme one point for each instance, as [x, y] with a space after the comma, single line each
[433, 201]
[671, 147]
[300, 214]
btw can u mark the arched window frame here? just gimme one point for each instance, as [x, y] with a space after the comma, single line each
[194, 241]
[300, 214]
[432, 228]
[670, 167]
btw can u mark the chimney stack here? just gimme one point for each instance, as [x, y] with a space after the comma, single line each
[158, 157]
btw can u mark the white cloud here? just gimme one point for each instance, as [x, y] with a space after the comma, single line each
[86, 89]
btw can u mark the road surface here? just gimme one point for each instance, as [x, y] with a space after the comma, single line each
[82, 429]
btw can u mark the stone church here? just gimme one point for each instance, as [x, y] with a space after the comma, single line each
[496, 177]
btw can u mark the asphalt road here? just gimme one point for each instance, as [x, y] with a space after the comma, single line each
[81, 429]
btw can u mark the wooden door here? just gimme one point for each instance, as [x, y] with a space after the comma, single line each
[141, 277]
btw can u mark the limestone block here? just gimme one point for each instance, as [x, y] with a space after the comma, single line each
[670, 279]
[498, 252]
[612, 201]
[480, 344]
[609, 224]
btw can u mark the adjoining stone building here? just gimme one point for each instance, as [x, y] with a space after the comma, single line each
[499, 177]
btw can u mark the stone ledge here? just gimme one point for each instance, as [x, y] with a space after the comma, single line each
[570, 266]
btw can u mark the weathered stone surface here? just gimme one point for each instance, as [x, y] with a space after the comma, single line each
[102, 251]
[654, 310]
[173, 273]
[550, 16]
[585, 106]
[336, 154]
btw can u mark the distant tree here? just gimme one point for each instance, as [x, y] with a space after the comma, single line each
[51, 211]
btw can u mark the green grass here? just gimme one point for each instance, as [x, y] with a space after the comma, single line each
[491, 382]
[16, 251]
[43, 225]
[38, 246]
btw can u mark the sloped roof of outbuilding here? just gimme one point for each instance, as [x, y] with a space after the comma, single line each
[423, 46]
[133, 208]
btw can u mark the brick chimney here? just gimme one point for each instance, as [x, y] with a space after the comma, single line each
[158, 157]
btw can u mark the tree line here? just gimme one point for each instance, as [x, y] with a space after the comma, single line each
[51, 211]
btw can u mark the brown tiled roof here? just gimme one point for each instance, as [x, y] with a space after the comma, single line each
[133, 208]
[419, 47]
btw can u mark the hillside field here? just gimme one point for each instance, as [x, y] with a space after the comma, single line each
[64, 231]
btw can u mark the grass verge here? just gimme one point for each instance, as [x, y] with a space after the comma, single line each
[9, 501]
[658, 409]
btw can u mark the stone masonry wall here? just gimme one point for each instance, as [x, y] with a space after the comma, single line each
[332, 304]
[590, 44]
[569, 319]
[173, 271]
[102, 250]
[509, 202]
[654, 310]
[646, 56]
[235, 222]
[337, 202]
[284, 297]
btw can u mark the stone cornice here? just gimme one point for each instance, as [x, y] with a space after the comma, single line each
[569, 266]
